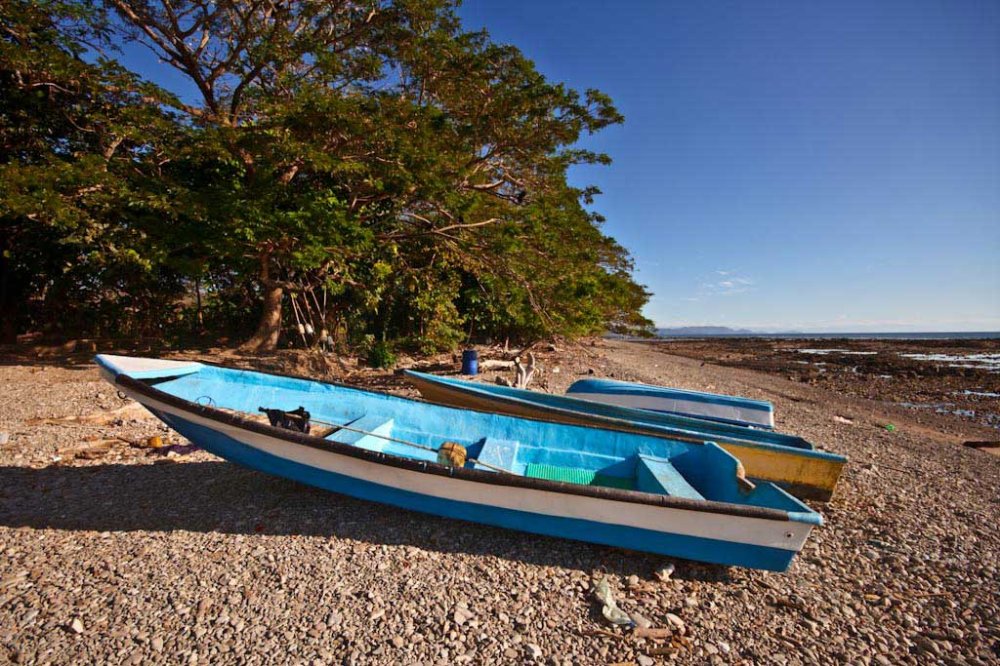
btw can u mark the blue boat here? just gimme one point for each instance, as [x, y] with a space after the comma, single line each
[792, 462]
[602, 486]
[712, 406]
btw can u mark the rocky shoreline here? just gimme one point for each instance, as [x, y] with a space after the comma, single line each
[957, 379]
[115, 552]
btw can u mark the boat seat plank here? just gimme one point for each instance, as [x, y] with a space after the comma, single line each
[498, 452]
[659, 476]
[370, 423]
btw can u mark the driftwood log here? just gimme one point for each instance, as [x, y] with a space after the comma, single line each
[496, 364]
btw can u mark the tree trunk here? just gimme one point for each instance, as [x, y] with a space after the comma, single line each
[199, 315]
[269, 326]
[8, 330]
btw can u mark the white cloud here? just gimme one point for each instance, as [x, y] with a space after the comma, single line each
[733, 284]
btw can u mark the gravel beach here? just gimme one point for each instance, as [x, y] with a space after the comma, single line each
[112, 552]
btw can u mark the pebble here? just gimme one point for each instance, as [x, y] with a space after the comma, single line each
[76, 626]
[927, 645]
[640, 620]
[665, 572]
[462, 615]
[675, 620]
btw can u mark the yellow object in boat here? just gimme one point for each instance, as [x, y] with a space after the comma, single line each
[452, 454]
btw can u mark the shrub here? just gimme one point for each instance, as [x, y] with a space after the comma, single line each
[380, 355]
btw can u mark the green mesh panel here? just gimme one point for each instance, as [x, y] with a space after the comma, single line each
[583, 477]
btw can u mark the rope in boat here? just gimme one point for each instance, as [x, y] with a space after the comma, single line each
[405, 442]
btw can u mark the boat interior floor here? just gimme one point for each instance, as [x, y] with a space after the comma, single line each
[639, 472]
[644, 473]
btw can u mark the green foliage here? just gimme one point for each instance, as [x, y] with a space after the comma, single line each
[380, 355]
[375, 156]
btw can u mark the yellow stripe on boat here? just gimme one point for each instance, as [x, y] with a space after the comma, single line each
[806, 477]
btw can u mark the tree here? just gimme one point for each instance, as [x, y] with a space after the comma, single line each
[340, 126]
[80, 142]
[413, 173]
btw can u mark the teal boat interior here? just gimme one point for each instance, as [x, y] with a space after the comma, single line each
[668, 423]
[495, 443]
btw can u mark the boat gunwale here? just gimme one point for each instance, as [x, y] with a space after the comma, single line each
[688, 394]
[622, 425]
[429, 467]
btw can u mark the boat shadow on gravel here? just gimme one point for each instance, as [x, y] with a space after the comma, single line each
[212, 496]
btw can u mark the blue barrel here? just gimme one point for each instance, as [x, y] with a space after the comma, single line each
[470, 362]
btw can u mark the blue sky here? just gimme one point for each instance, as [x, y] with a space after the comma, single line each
[785, 165]
[818, 166]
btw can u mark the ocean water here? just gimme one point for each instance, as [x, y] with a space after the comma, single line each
[930, 335]
[989, 362]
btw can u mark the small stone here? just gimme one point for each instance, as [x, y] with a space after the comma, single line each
[640, 620]
[462, 615]
[645, 660]
[157, 643]
[664, 573]
[398, 641]
[927, 645]
[534, 652]
[674, 620]
[76, 626]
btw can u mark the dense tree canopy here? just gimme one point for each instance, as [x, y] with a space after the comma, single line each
[349, 172]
